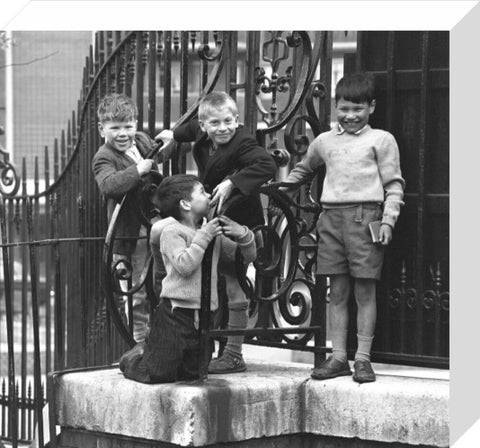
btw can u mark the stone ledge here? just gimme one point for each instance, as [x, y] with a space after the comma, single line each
[266, 401]
[393, 409]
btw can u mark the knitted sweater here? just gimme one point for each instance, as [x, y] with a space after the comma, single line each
[362, 167]
[180, 249]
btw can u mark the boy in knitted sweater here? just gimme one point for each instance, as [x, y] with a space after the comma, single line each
[363, 183]
[178, 243]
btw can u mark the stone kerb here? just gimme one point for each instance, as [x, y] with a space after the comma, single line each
[265, 401]
[269, 400]
[396, 409]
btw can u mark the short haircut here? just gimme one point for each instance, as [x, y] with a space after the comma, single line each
[117, 107]
[357, 87]
[171, 191]
[216, 100]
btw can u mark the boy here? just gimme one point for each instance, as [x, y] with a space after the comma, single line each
[362, 175]
[118, 166]
[178, 243]
[232, 166]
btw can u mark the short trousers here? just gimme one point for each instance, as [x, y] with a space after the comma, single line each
[344, 242]
[172, 351]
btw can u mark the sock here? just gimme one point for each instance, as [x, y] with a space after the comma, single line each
[237, 320]
[339, 344]
[364, 347]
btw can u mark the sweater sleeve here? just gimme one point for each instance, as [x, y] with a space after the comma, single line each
[388, 160]
[247, 246]
[185, 259]
[308, 165]
[112, 182]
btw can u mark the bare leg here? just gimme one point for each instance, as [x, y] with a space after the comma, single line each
[338, 314]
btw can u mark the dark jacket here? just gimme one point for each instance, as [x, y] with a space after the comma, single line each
[116, 175]
[242, 160]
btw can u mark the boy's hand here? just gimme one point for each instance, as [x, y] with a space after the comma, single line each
[385, 234]
[166, 136]
[221, 193]
[213, 227]
[144, 166]
[273, 209]
[231, 228]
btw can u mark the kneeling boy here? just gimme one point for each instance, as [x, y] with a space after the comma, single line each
[179, 243]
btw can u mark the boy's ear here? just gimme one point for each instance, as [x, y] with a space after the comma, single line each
[202, 126]
[100, 129]
[185, 205]
[372, 106]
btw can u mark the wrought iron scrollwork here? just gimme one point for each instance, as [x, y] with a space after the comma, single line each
[206, 53]
[9, 180]
[279, 276]
[118, 273]
[436, 297]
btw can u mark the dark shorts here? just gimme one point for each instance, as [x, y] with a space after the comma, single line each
[344, 242]
[172, 352]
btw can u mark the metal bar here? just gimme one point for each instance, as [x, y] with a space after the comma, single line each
[82, 265]
[139, 79]
[152, 77]
[204, 329]
[59, 335]
[38, 396]
[420, 256]
[390, 88]
[167, 89]
[251, 62]
[24, 302]
[181, 165]
[265, 331]
[13, 401]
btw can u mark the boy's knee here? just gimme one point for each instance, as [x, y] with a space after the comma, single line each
[238, 306]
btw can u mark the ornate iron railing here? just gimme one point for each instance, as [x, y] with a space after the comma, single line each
[56, 245]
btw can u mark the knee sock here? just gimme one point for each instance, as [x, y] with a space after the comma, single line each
[339, 344]
[237, 320]
[364, 347]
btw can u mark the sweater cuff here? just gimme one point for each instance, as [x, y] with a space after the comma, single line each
[246, 238]
[389, 221]
[202, 239]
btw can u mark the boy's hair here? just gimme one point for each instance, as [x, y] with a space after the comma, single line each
[216, 100]
[171, 191]
[117, 107]
[357, 88]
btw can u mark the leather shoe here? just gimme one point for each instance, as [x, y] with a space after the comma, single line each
[363, 372]
[331, 368]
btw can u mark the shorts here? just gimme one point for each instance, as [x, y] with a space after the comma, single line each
[344, 242]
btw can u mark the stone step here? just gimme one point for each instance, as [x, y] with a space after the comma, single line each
[269, 400]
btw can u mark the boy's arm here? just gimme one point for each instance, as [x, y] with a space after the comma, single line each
[254, 167]
[307, 166]
[184, 259]
[388, 159]
[187, 132]
[113, 182]
[247, 246]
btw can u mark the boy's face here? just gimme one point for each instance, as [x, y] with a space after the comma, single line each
[220, 125]
[120, 134]
[353, 116]
[199, 201]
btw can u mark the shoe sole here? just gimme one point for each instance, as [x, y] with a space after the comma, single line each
[364, 380]
[328, 377]
[229, 371]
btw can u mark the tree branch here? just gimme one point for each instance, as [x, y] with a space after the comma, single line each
[29, 62]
